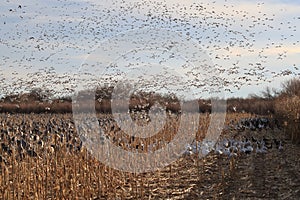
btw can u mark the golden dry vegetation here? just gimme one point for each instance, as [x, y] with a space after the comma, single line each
[59, 167]
[288, 111]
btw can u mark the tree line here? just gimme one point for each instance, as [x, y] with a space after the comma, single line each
[40, 101]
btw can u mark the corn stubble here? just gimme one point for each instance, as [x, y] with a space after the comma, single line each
[60, 173]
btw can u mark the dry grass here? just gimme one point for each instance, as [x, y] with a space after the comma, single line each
[288, 111]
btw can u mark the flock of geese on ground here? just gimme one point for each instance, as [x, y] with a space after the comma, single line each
[23, 136]
[255, 123]
[41, 135]
[242, 144]
[232, 148]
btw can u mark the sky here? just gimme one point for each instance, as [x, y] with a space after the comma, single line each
[250, 44]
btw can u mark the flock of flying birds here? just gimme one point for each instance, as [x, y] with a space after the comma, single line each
[44, 44]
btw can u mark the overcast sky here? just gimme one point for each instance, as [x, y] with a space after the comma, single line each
[253, 44]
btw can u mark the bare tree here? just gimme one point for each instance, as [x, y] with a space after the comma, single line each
[291, 87]
[269, 93]
[40, 94]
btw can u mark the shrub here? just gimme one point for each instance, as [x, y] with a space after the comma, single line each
[287, 111]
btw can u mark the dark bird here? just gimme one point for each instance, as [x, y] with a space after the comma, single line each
[6, 149]
[32, 153]
[22, 144]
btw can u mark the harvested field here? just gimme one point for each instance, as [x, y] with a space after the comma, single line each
[42, 157]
